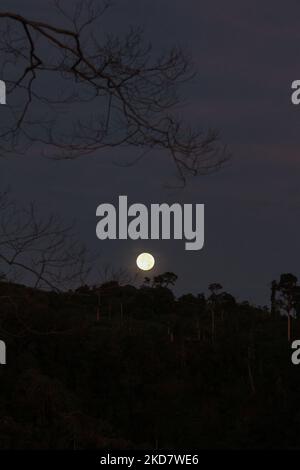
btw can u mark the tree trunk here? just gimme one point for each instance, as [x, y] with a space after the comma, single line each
[212, 325]
[289, 328]
[251, 380]
[250, 375]
[98, 307]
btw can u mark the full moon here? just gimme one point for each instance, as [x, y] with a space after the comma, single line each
[145, 261]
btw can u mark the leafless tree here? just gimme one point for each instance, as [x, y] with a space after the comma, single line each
[40, 250]
[120, 276]
[125, 94]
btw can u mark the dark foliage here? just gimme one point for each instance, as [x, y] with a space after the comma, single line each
[119, 367]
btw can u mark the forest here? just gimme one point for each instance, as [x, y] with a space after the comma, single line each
[118, 366]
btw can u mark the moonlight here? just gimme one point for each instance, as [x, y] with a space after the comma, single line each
[145, 261]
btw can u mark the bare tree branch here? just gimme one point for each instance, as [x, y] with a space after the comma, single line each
[41, 250]
[125, 94]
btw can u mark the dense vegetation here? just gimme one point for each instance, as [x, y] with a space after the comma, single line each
[126, 367]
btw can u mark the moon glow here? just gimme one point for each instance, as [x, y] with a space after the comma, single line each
[145, 261]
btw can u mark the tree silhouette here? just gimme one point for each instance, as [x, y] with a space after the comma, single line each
[136, 91]
[214, 288]
[165, 280]
[181, 389]
[274, 288]
[40, 250]
[287, 288]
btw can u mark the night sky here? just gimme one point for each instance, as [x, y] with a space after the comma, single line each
[247, 55]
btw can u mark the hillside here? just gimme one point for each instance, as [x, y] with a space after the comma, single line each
[128, 367]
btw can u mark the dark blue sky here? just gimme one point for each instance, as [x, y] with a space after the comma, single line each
[247, 54]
